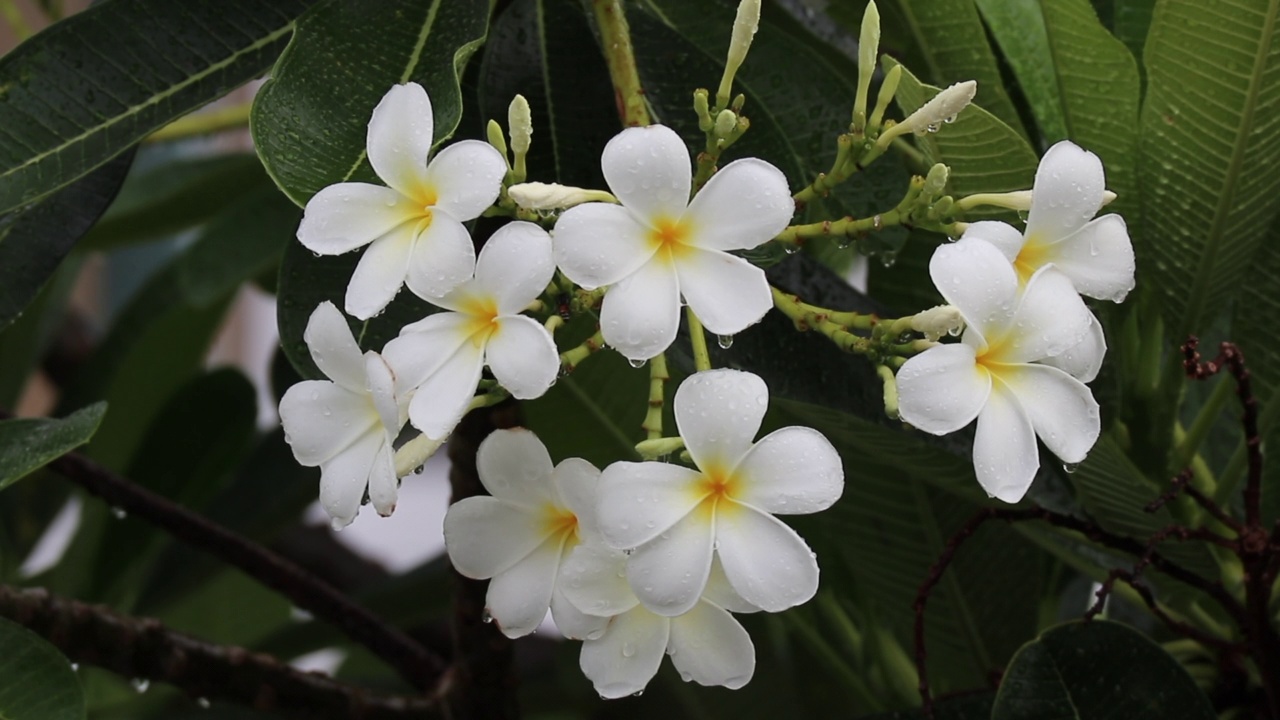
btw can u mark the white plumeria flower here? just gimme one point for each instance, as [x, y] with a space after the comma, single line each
[677, 519]
[706, 644]
[997, 372]
[413, 227]
[438, 360]
[519, 537]
[657, 246]
[1095, 253]
[345, 426]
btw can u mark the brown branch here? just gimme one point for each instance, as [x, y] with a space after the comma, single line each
[147, 650]
[1182, 484]
[1230, 357]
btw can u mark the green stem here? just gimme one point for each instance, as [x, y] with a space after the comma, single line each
[205, 123]
[698, 338]
[654, 448]
[570, 359]
[615, 40]
[1199, 430]
[658, 376]
[804, 318]
[840, 171]
[847, 227]
[890, 390]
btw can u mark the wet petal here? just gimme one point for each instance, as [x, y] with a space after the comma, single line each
[384, 487]
[485, 535]
[442, 398]
[745, 204]
[791, 471]
[380, 273]
[443, 258]
[1004, 236]
[641, 314]
[578, 482]
[344, 477]
[1005, 457]
[1050, 319]
[1085, 359]
[720, 592]
[522, 356]
[594, 579]
[1067, 192]
[399, 139]
[727, 293]
[515, 266]
[975, 277]
[520, 596]
[710, 647]
[572, 622]
[1098, 259]
[333, 348]
[942, 389]
[669, 572]
[627, 656]
[718, 413]
[514, 465]
[322, 419]
[648, 169]
[382, 392]
[769, 565]
[422, 348]
[467, 177]
[1062, 410]
[343, 217]
[599, 244]
[638, 501]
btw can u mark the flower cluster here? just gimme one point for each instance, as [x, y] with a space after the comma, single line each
[1030, 344]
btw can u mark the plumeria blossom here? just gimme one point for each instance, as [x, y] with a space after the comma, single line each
[346, 424]
[678, 520]
[1095, 253]
[657, 246]
[706, 644]
[438, 360]
[998, 372]
[520, 534]
[413, 227]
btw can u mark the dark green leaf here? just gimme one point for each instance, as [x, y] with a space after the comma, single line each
[969, 707]
[1209, 145]
[246, 239]
[594, 412]
[38, 682]
[1018, 27]
[33, 241]
[1131, 21]
[310, 120]
[23, 343]
[1097, 669]
[87, 88]
[27, 444]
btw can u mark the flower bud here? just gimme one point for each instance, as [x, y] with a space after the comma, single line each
[936, 181]
[888, 89]
[493, 132]
[943, 107]
[550, 196]
[868, 49]
[726, 121]
[745, 24]
[520, 123]
[938, 321]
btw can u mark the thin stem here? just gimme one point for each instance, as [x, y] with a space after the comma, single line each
[1203, 423]
[847, 227]
[205, 123]
[658, 376]
[698, 339]
[13, 16]
[570, 359]
[615, 39]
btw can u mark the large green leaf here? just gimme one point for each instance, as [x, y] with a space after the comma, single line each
[1097, 669]
[1210, 142]
[1018, 27]
[310, 120]
[593, 413]
[23, 342]
[38, 682]
[27, 444]
[87, 88]
[1131, 19]
[245, 240]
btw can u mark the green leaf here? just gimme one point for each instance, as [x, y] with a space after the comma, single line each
[1208, 152]
[1018, 28]
[38, 683]
[27, 444]
[1097, 669]
[310, 120]
[245, 240]
[34, 241]
[89, 87]
[594, 412]
[961, 708]
[1130, 22]
[24, 342]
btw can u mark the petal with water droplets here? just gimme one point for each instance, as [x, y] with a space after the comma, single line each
[1005, 457]
[710, 647]
[639, 501]
[520, 596]
[727, 293]
[769, 565]
[343, 217]
[669, 572]
[1061, 408]
[648, 169]
[485, 535]
[1067, 193]
[791, 471]
[640, 315]
[1098, 259]
[623, 660]
[466, 178]
[333, 348]
[942, 389]
[718, 413]
[745, 204]
[399, 138]
[522, 356]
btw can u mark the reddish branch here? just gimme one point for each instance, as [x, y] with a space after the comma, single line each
[145, 649]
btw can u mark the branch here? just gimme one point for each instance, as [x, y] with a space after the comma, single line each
[615, 40]
[146, 649]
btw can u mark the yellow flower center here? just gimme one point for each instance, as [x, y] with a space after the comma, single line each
[558, 522]
[482, 318]
[1033, 256]
[716, 484]
[669, 238]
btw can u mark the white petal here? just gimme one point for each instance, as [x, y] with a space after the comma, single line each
[572, 622]
[442, 399]
[769, 565]
[384, 487]
[718, 413]
[599, 244]
[515, 266]
[648, 169]
[669, 572]
[627, 656]
[1067, 192]
[1050, 319]
[942, 389]
[1061, 408]
[522, 356]
[720, 592]
[343, 217]
[345, 476]
[1004, 236]
[514, 465]
[399, 138]
[641, 314]
[1005, 457]
[333, 349]
[520, 596]
[710, 647]
[975, 277]
[443, 258]
[380, 273]
[727, 293]
[745, 204]
[594, 579]
[322, 419]
[467, 177]
[1085, 359]
[423, 347]
[382, 392]
[1098, 259]
[638, 501]
[791, 471]
[578, 482]
[486, 535]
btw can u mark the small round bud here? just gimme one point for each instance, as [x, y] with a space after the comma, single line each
[726, 121]
[936, 181]
[520, 122]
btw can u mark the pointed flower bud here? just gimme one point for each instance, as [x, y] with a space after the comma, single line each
[888, 89]
[937, 321]
[520, 122]
[868, 48]
[943, 107]
[550, 196]
[745, 25]
[726, 121]
[493, 133]
[936, 181]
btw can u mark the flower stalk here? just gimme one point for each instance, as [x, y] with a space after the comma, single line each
[615, 39]
[658, 377]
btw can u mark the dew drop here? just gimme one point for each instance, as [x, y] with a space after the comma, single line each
[140, 685]
[486, 617]
[1070, 467]
[725, 341]
[628, 649]
[119, 513]
[635, 363]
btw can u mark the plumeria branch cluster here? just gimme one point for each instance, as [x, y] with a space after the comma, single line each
[642, 558]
